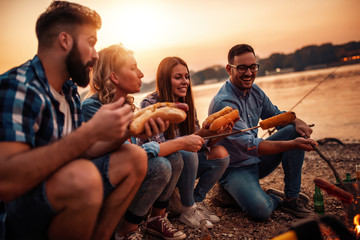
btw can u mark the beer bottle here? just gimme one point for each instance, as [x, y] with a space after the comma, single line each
[348, 177]
[205, 235]
[357, 169]
[318, 202]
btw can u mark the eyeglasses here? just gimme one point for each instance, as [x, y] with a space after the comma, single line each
[243, 68]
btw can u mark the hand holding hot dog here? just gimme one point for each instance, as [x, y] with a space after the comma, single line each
[153, 127]
[167, 111]
[111, 121]
[221, 118]
[220, 122]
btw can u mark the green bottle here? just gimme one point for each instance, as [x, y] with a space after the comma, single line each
[318, 202]
[348, 177]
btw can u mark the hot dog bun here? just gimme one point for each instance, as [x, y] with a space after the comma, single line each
[220, 118]
[172, 112]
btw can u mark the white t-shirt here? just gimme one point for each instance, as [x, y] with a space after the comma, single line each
[65, 109]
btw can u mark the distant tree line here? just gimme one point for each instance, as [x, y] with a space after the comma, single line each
[324, 55]
[308, 57]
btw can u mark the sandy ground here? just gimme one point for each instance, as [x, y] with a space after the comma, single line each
[236, 225]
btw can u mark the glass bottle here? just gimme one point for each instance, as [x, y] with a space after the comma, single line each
[357, 169]
[205, 235]
[318, 202]
[348, 177]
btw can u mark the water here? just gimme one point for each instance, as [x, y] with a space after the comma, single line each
[333, 106]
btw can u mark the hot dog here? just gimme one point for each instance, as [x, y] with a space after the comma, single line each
[221, 118]
[167, 111]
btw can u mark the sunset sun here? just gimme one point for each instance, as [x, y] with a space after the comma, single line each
[136, 26]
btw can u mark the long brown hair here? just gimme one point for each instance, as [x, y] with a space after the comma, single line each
[110, 59]
[164, 89]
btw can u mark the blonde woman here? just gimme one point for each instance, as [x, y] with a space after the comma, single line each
[116, 75]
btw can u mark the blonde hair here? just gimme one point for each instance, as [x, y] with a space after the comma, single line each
[111, 59]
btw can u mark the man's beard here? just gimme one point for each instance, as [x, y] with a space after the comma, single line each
[78, 72]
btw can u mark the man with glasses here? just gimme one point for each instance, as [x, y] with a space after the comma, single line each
[252, 158]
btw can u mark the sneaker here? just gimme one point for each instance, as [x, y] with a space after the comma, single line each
[281, 194]
[296, 208]
[192, 217]
[161, 226]
[137, 235]
[209, 215]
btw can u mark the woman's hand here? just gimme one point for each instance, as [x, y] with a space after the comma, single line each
[191, 143]
[154, 127]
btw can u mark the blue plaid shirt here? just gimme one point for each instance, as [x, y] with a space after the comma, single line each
[28, 111]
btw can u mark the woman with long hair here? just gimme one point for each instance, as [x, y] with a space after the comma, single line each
[117, 75]
[173, 84]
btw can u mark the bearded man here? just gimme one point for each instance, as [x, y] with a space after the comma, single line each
[60, 178]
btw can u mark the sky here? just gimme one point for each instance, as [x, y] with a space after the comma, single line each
[199, 31]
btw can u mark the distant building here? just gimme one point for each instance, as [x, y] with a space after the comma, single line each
[279, 71]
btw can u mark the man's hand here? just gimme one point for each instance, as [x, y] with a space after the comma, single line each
[224, 129]
[302, 128]
[111, 121]
[305, 144]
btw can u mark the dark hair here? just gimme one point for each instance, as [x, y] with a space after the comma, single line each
[63, 16]
[164, 89]
[238, 50]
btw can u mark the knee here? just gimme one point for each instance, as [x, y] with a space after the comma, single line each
[176, 161]
[221, 157]
[190, 159]
[159, 169]
[78, 181]
[138, 159]
[218, 152]
[260, 210]
[291, 131]
[260, 214]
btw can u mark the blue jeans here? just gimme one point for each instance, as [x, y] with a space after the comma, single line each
[158, 186]
[243, 182]
[21, 223]
[196, 165]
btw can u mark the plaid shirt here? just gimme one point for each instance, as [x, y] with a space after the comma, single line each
[28, 111]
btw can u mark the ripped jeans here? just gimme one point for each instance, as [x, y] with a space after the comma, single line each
[157, 187]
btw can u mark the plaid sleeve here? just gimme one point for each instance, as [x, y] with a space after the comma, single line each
[20, 111]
